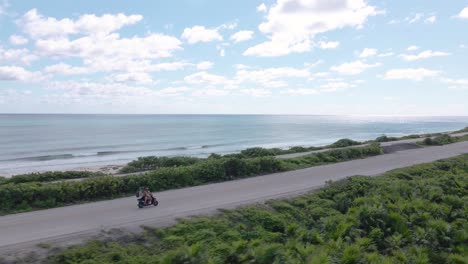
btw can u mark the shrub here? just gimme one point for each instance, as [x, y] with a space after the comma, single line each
[345, 142]
[355, 220]
[154, 163]
[443, 140]
[258, 152]
[51, 176]
[384, 138]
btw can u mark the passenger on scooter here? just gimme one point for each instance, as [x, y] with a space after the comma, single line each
[148, 195]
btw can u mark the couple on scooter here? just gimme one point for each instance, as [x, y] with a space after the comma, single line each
[147, 195]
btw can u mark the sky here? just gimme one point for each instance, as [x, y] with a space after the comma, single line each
[321, 57]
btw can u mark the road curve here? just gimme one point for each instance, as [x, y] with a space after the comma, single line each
[383, 144]
[19, 230]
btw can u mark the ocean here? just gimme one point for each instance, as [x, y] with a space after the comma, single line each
[45, 142]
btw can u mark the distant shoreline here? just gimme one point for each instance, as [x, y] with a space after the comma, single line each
[113, 168]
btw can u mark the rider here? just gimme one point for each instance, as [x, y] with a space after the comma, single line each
[147, 194]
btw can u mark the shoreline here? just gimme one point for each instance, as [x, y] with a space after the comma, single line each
[113, 168]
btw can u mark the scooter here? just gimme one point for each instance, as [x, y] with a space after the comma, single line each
[141, 201]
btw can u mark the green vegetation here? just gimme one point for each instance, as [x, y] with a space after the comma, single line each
[442, 140]
[412, 215]
[50, 176]
[17, 197]
[154, 163]
[461, 130]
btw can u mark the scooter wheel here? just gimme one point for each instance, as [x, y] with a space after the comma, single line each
[155, 203]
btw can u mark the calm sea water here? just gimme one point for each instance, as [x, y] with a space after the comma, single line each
[55, 142]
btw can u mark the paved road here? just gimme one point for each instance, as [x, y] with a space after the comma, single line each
[383, 144]
[20, 230]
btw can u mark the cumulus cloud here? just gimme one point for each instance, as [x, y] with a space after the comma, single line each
[368, 52]
[270, 77]
[206, 78]
[66, 69]
[210, 92]
[111, 46]
[15, 73]
[412, 48]
[262, 8]
[332, 86]
[414, 18]
[197, 34]
[18, 40]
[423, 55]
[242, 35]
[94, 40]
[329, 44]
[137, 77]
[353, 68]
[20, 56]
[292, 24]
[204, 65]
[456, 84]
[416, 74]
[37, 26]
[430, 20]
[256, 92]
[463, 14]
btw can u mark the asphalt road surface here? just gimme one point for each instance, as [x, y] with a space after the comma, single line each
[20, 230]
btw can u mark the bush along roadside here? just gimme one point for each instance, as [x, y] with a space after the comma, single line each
[50, 176]
[17, 197]
[442, 140]
[410, 215]
[154, 163]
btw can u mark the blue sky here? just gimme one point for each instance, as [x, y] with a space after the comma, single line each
[335, 57]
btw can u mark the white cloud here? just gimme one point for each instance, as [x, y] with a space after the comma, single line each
[206, 78]
[18, 40]
[367, 52]
[329, 44]
[221, 50]
[204, 65]
[262, 8]
[38, 26]
[242, 35]
[256, 92]
[14, 73]
[423, 55]
[210, 92]
[292, 24]
[200, 34]
[137, 77]
[463, 14]
[92, 37]
[430, 20]
[172, 91]
[301, 91]
[353, 68]
[332, 86]
[412, 48]
[416, 74]
[415, 18]
[386, 54]
[21, 56]
[66, 69]
[111, 46]
[457, 84]
[335, 86]
[270, 77]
